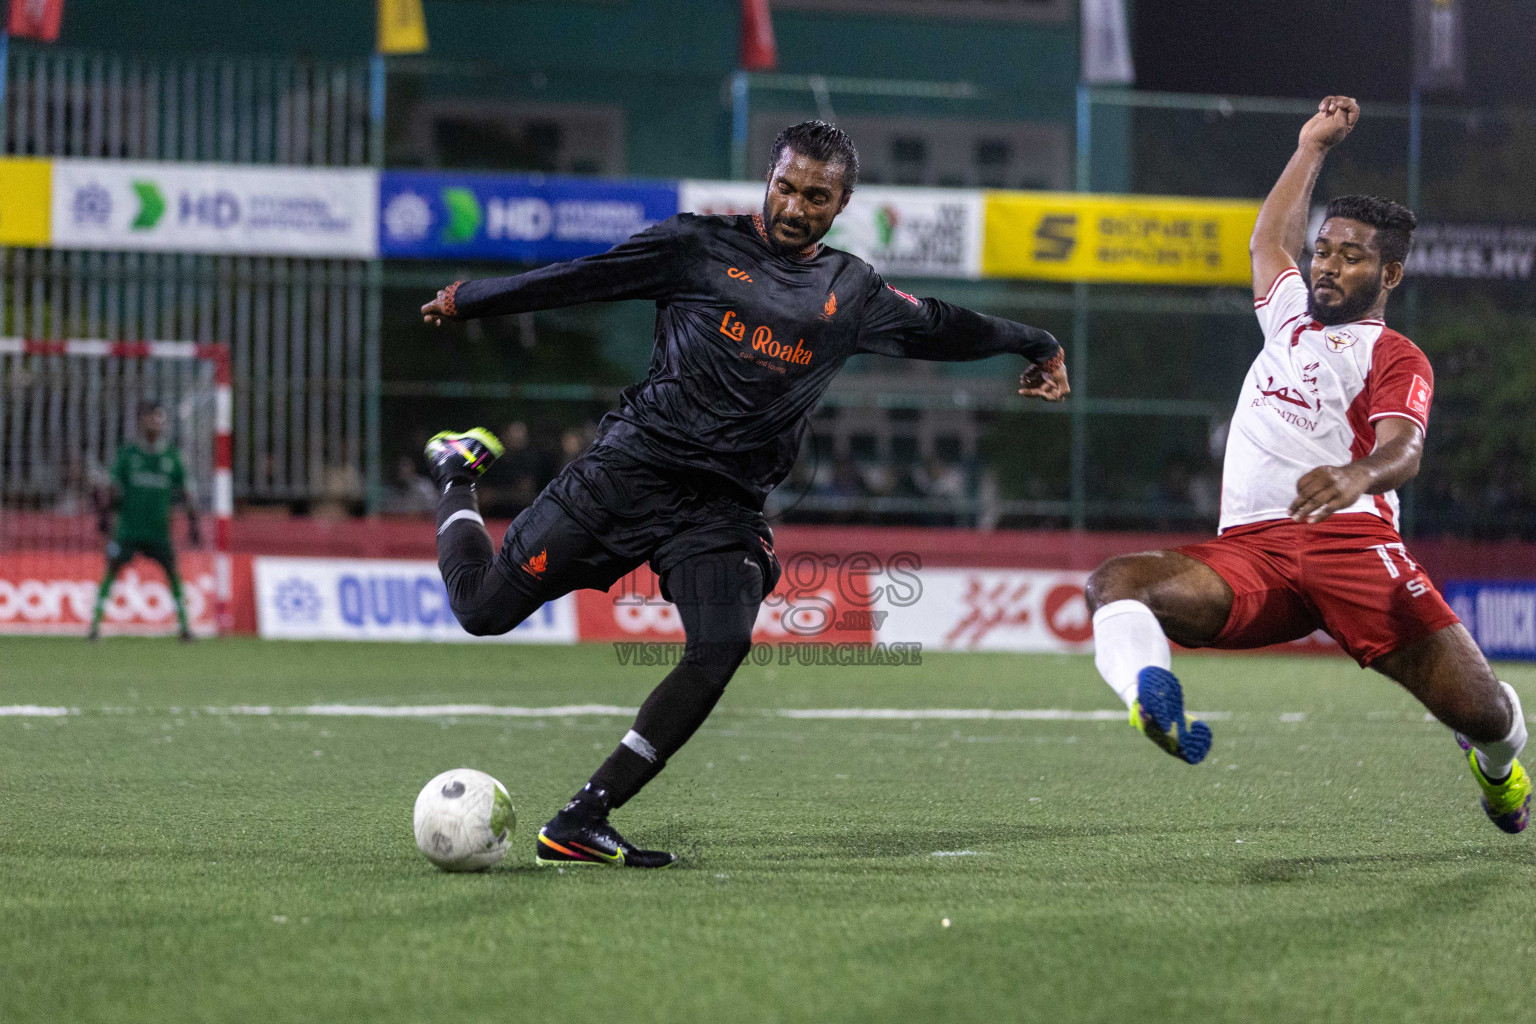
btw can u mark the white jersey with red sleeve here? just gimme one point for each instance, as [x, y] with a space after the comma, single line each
[1312, 398]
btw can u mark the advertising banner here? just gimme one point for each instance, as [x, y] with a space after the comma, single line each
[55, 593]
[1007, 610]
[215, 208]
[378, 599]
[901, 232]
[1064, 236]
[1485, 252]
[994, 610]
[435, 215]
[1500, 616]
[24, 191]
[818, 612]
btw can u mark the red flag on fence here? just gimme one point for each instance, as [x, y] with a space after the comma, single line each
[758, 50]
[36, 19]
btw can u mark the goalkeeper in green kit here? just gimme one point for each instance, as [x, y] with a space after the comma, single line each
[147, 478]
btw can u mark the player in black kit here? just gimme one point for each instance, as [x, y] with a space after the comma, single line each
[753, 318]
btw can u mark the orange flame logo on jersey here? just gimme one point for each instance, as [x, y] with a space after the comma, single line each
[536, 565]
[830, 309]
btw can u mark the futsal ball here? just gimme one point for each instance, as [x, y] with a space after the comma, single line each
[463, 820]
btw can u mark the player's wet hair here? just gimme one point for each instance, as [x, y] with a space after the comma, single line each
[1394, 222]
[148, 406]
[819, 141]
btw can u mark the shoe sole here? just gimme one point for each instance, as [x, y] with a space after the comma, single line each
[543, 863]
[1162, 698]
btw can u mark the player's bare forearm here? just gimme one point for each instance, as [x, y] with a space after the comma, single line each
[1394, 461]
[1280, 231]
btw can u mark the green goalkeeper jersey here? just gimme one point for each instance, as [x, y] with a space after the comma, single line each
[149, 481]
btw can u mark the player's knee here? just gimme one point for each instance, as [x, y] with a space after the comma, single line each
[718, 659]
[478, 620]
[1115, 580]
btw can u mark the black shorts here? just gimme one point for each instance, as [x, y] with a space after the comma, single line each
[122, 550]
[607, 513]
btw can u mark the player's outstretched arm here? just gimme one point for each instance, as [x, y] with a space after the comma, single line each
[649, 265]
[1393, 462]
[1280, 232]
[894, 323]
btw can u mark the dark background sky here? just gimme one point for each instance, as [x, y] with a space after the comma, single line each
[1310, 48]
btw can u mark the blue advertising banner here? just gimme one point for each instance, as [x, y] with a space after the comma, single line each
[532, 219]
[1501, 616]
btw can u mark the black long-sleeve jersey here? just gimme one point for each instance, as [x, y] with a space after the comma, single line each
[747, 338]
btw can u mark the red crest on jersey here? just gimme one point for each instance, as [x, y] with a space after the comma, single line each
[1419, 393]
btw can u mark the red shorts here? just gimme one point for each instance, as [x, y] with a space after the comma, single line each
[1349, 575]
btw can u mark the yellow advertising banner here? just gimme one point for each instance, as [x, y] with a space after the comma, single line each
[25, 200]
[1067, 236]
[402, 26]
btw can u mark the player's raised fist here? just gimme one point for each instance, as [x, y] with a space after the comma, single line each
[1335, 118]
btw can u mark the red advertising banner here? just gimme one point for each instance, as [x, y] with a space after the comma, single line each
[54, 593]
[814, 610]
[36, 19]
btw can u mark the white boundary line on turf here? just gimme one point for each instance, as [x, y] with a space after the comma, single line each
[614, 711]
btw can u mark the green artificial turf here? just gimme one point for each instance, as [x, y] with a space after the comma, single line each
[163, 862]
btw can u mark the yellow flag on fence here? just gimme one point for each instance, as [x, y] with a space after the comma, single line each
[402, 27]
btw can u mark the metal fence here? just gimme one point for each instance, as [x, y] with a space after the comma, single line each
[303, 333]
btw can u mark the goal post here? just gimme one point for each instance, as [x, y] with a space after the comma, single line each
[65, 408]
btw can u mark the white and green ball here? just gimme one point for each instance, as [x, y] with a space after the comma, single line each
[463, 820]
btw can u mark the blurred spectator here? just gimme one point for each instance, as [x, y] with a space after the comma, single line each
[844, 481]
[341, 489]
[944, 485]
[515, 479]
[73, 496]
[938, 479]
[411, 492]
[572, 443]
[879, 478]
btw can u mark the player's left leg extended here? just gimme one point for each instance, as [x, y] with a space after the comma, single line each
[1450, 677]
[165, 555]
[1138, 601]
[117, 557]
[717, 596]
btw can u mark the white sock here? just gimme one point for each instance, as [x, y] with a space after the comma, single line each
[1497, 758]
[1126, 639]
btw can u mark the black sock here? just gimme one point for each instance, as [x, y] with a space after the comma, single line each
[461, 535]
[717, 596]
[668, 718]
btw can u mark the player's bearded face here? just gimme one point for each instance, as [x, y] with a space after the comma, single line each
[804, 197]
[1347, 273]
[1331, 304]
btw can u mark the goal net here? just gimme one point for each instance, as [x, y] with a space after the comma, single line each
[65, 408]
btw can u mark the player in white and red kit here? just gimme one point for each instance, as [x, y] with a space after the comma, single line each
[1330, 422]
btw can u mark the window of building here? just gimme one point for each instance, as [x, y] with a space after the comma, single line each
[514, 136]
[939, 151]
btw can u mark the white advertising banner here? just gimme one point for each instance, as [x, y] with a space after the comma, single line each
[993, 610]
[901, 232]
[215, 208]
[378, 599]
